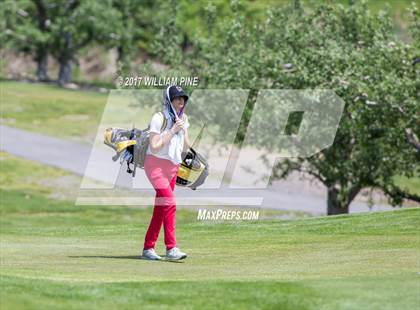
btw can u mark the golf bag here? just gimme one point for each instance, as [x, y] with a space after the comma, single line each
[131, 147]
[193, 170]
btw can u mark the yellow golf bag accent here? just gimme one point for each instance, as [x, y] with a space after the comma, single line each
[193, 170]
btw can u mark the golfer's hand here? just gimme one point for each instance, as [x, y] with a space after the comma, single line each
[179, 125]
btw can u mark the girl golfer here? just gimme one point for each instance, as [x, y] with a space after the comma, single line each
[168, 138]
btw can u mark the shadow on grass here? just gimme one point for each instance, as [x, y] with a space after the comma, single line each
[128, 257]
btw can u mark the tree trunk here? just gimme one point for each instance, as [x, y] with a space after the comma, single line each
[64, 75]
[42, 65]
[123, 61]
[41, 56]
[65, 60]
[334, 205]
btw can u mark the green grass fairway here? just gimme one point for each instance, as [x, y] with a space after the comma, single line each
[55, 255]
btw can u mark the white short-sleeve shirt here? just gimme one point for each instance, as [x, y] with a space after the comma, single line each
[155, 127]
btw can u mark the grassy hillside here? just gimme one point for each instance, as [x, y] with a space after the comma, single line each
[51, 110]
[69, 114]
[55, 255]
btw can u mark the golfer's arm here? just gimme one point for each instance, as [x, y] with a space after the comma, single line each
[157, 142]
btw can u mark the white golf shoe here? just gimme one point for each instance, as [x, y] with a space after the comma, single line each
[150, 254]
[175, 254]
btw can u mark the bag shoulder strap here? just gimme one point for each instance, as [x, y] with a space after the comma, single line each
[184, 117]
[164, 122]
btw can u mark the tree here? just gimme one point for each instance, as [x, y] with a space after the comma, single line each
[26, 29]
[61, 29]
[41, 56]
[346, 49]
[78, 23]
[136, 29]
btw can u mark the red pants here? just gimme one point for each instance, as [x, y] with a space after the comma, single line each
[162, 175]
